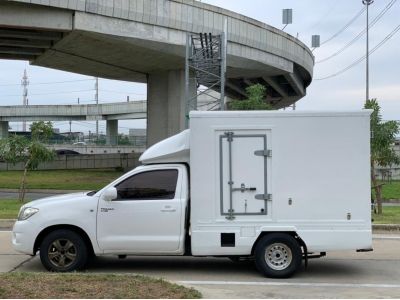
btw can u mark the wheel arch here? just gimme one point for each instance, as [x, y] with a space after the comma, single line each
[73, 228]
[294, 234]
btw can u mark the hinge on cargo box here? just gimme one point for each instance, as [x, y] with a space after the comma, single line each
[265, 153]
[265, 197]
[229, 136]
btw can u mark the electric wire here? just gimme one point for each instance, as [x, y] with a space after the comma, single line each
[345, 27]
[373, 22]
[51, 93]
[380, 44]
[50, 82]
[324, 16]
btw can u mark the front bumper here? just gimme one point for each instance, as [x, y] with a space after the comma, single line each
[23, 237]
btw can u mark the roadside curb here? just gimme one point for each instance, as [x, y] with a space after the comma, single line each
[7, 224]
[386, 227]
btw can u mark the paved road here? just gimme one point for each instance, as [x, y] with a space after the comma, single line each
[340, 275]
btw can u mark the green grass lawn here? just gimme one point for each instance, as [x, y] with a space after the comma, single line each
[9, 208]
[391, 215]
[391, 190]
[62, 180]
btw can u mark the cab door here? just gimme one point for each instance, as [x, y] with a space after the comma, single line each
[148, 215]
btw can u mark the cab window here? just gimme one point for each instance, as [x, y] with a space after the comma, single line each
[151, 185]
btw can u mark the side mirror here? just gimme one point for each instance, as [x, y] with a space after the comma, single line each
[110, 194]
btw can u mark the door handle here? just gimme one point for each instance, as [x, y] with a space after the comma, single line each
[243, 188]
[168, 210]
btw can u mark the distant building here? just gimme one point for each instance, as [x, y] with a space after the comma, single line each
[73, 136]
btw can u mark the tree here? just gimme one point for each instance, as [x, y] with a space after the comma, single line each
[255, 100]
[123, 140]
[31, 152]
[383, 136]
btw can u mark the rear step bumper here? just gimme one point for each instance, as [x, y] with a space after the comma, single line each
[365, 250]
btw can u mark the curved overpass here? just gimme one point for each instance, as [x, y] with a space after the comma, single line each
[144, 41]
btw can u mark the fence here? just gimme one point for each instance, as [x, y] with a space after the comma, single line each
[125, 161]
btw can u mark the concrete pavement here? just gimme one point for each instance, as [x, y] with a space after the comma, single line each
[339, 275]
[9, 259]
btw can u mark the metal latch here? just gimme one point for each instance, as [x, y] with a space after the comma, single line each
[265, 197]
[243, 188]
[265, 153]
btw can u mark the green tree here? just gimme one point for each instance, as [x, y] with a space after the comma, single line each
[383, 136]
[31, 152]
[123, 140]
[255, 100]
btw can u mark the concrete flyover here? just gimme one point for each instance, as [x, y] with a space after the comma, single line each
[144, 41]
[108, 112]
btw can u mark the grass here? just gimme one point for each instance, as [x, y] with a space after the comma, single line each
[85, 286]
[60, 180]
[391, 190]
[9, 208]
[391, 215]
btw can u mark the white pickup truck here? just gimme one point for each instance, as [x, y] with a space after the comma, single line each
[276, 187]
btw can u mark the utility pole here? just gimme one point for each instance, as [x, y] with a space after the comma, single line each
[367, 3]
[96, 98]
[24, 83]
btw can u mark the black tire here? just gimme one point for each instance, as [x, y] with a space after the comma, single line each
[278, 255]
[63, 251]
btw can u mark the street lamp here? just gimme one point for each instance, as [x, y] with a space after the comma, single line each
[367, 3]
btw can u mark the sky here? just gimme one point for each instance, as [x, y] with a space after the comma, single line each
[325, 18]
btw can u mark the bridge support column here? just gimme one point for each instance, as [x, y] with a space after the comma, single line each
[3, 130]
[166, 105]
[112, 132]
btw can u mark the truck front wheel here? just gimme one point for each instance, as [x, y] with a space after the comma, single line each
[278, 255]
[63, 251]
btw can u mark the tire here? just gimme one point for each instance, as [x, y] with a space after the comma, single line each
[63, 251]
[278, 255]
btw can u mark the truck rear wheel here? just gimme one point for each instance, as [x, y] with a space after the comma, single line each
[278, 255]
[63, 251]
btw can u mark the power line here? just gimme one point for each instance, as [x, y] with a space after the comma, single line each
[52, 93]
[119, 92]
[387, 38]
[374, 21]
[51, 82]
[324, 16]
[345, 27]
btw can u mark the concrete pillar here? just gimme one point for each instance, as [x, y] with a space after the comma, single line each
[3, 129]
[112, 132]
[166, 105]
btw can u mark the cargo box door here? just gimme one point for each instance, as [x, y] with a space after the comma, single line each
[244, 172]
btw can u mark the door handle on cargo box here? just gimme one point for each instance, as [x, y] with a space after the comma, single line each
[243, 188]
[168, 210]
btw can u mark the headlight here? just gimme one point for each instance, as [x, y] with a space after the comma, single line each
[26, 213]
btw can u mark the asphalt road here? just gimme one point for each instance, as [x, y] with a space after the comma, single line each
[339, 275]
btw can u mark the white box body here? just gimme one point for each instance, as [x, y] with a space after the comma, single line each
[314, 172]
